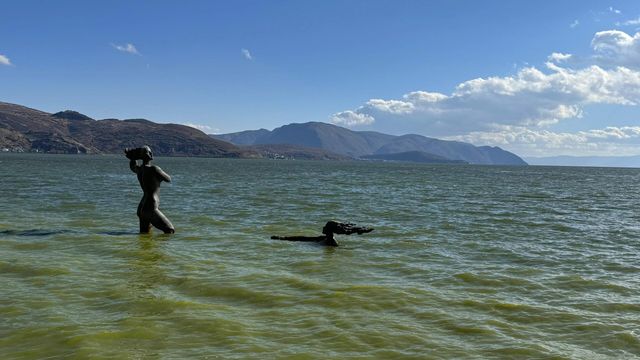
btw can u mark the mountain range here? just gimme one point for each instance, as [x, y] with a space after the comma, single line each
[358, 144]
[26, 129]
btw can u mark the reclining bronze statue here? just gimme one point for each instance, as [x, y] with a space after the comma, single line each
[150, 177]
[330, 228]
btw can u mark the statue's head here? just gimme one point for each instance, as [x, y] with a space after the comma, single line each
[330, 227]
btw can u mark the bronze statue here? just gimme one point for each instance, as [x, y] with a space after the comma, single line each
[150, 177]
[330, 228]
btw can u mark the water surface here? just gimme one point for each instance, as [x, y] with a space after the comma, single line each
[465, 261]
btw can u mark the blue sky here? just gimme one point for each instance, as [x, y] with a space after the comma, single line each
[477, 71]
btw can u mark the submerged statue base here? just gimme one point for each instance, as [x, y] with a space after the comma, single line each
[330, 228]
[150, 177]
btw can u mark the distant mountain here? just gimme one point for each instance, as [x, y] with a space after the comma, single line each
[413, 156]
[248, 137]
[25, 129]
[595, 161]
[328, 137]
[454, 150]
[315, 135]
[360, 143]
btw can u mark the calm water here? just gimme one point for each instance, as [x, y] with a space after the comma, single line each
[465, 261]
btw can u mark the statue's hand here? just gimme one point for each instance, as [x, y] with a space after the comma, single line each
[130, 153]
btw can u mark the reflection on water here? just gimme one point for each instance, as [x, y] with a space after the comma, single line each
[33, 232]
[118, 233]
[43, 232]
[146, 267]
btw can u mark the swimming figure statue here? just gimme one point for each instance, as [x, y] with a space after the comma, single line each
[330, 228]
[150, 177]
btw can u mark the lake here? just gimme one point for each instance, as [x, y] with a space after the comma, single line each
[465, 261]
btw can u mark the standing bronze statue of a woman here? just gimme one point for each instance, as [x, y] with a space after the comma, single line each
[150, 177]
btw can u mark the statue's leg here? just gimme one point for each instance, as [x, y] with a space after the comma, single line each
[161, 222]
[145, 226]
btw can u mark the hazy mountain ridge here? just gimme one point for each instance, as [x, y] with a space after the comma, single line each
[361, 143]
[325, 136]
[248, 137]
[594, 161]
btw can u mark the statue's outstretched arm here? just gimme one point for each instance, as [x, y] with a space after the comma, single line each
[163, 175]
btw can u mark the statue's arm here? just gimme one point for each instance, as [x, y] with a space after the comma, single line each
[133, 165]
[162, 175]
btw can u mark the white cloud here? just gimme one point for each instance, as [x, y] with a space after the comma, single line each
[613, 10]
[204, 128]
[632, 22]
[351, 118]
[128, 48]
[574, 23]
[5, 60]
[396, 107]
[617, 48]
[559, 57]
[247, 54]
[617, 141]
[530, 98]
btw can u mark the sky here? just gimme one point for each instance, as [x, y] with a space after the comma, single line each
[539, 78]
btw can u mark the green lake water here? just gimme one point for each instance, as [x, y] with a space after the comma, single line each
[466, 262]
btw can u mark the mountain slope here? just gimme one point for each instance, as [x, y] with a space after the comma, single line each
[248, 137]
[71, 132]
[454, 150]
[24, 128]
[328, 137]
[500, 156]
[360, 143]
